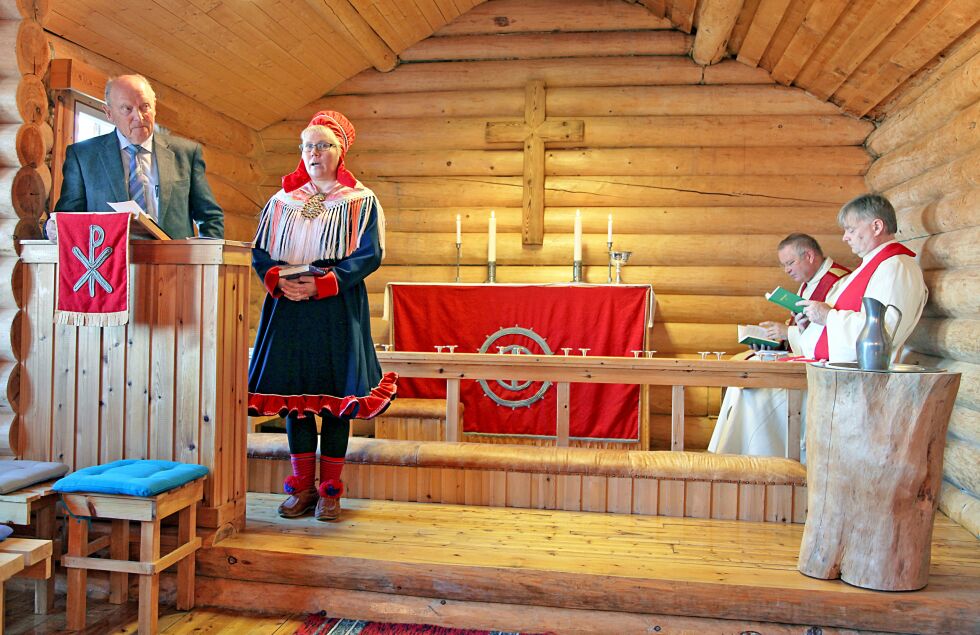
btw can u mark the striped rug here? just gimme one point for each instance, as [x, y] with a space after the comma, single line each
[322, 624]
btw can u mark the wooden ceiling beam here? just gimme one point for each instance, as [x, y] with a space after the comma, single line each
[764, 25]
[817, 23]
[682, 14]
[716, 19]
[351, 25]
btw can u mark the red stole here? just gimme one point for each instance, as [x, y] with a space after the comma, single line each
[850, 298]
[826, 282]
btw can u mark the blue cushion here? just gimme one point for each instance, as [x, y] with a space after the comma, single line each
[5, 531]
[131, 477]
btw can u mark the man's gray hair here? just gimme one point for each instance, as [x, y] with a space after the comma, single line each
[112, 80]
[801, 242]
[869, 207]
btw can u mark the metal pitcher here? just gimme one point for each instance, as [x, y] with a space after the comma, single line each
[874, 344]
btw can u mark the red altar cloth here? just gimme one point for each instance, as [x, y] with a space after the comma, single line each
[610, 320]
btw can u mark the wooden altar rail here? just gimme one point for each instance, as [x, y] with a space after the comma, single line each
[564, 371]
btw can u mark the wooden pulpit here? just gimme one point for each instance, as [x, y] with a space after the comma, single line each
[874, 468]
[171, 384]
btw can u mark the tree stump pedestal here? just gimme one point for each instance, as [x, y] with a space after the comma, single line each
[875, 446]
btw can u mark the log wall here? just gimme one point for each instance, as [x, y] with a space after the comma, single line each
[928, 164]
[704, 170]
[25, 139]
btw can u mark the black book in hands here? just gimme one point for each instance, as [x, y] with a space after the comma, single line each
[289, 272]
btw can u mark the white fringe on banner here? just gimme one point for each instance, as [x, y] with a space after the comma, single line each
[79, 318]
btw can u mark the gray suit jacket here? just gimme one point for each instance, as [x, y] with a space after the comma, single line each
[94, 176]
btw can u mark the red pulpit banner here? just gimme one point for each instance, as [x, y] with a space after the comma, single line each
[609, 320]
[93, 268]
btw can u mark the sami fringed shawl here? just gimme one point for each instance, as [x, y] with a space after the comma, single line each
[304, 226]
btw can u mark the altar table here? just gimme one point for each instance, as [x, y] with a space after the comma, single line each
[609, 320]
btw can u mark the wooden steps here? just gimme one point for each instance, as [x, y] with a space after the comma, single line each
[586, 562]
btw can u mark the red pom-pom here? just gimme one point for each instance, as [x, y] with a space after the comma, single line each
[331, 489]
[292, 484]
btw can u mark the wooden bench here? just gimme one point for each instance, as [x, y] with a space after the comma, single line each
[18, 508]
[121, 510]
[10, 565]
[691, 484]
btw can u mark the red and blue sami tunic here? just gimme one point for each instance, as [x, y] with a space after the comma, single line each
[317, 355]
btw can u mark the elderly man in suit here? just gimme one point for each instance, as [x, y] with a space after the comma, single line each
[163, 173]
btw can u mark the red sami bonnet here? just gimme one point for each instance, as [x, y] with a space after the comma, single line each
[344, 131]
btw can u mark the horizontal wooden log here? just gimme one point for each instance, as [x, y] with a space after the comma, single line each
[513, 16]
[33, 52]
[964, 423]
[606, 71]
[9, 386]
[957, 176]
[8, 39]
[8, 237]
[601, 132]
[28, 192]
[752, 281]
[969, 393]
[9, 336]
[623, 191]
[961, 507]
[835, 160]
[34, 9]
[547, 45]
[953, 292]
[949, 213]
[232, 166]
[571, 101]
[240, 226]
[677, 250]
[179, 113]
[960, 248]
[8, 435]
[10, 278]
[235, 195]
[954, 138]
[952, 338]
[31, 98]
[961, 464]
[949, 96]
[8, 100]
[33, 143]
[626, 220]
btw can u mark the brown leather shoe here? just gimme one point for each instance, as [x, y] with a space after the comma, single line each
[328, 507]
[299, 504]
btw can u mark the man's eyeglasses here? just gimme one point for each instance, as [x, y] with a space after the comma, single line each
[322, 146]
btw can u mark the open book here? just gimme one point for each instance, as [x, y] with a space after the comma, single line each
[289, 272]
[785, 299]
[750, 334]
[142, 225]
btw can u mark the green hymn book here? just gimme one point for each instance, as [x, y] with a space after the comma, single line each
[785, 299]
[750, 334]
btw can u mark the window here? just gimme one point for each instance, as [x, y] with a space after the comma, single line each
[89, 122]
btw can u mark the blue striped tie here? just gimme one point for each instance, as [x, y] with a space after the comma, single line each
[136, 190]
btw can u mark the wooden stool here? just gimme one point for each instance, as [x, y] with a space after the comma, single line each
[122, 509]
[17, 508]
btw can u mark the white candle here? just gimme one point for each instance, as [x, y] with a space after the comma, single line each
[459, 229]
[577, 252]
[492, 242]
[608, 230]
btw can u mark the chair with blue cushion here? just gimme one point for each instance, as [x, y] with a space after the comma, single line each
[125, 491]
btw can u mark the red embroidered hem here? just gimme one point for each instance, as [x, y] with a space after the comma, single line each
[367, 407]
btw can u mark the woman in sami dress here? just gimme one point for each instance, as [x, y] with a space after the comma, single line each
[313, 351]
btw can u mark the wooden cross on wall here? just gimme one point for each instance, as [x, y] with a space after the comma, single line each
[534, 132]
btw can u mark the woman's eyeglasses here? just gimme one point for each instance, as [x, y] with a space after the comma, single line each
[322, 146]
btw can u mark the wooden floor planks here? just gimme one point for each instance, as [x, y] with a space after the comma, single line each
[708, 568]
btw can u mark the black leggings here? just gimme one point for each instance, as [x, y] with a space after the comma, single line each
[334, 434]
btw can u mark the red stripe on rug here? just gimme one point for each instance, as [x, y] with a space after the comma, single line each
[322, 624]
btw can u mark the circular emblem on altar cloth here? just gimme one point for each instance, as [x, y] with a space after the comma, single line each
[511, 393]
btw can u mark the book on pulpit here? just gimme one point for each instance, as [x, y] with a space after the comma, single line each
[142, 224]
[288, 272]
[750, 334]
[785, 299]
